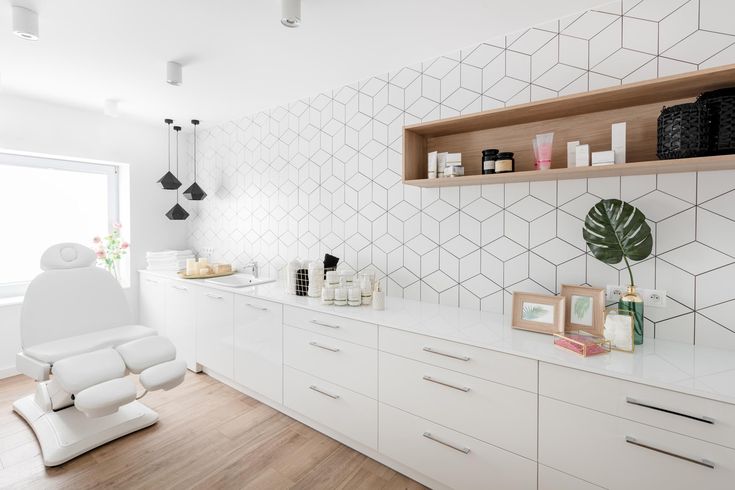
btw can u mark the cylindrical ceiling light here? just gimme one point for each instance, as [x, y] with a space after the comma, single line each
[25, 23]
[173, 73]
[169, 180]
[291, 13]
[195, 192]
[177, 213]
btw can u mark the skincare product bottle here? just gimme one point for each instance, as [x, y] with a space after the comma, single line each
[378, 298]
[332, 278]
[340, 296]
[572, 153]
[505, 163]
[441, 162]
[489, 157]
[618, 141]
[432, 164]
[191, 267]
[354, 296]
[327, 295]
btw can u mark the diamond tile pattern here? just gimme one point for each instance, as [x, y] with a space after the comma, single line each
[322, 174]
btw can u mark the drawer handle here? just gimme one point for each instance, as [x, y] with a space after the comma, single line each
[444, 383]
[151, 281]
[701, 462]
[446, 354]
[214, 296]
[256, 307]
[330, 349]
[698, 418]
[180, 288]
[317, 322]
[330, 395]
[463, 450]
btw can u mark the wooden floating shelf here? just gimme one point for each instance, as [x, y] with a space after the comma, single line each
[720, 162]
[585, 117]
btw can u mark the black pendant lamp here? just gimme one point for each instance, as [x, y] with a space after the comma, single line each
[194, 192]
[177, 213]
[169, 180]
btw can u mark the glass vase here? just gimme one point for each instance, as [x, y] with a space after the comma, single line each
[632, 302]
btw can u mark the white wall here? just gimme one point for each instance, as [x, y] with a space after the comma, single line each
[40, 127]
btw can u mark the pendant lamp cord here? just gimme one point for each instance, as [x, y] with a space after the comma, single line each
[177, 163]
[195, 153]
[169, 147]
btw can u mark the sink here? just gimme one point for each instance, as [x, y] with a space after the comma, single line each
[238, 280]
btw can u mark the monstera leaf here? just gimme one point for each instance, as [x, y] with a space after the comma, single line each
[614, 231]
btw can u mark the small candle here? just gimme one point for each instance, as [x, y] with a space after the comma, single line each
[191, 267]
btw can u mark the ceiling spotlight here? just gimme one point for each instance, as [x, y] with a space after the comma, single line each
[291, 13]
[25, 23]
[173, 73]
[111, 107]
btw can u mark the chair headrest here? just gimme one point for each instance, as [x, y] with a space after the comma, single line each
[67, 256]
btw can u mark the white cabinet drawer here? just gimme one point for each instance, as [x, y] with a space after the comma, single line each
[451, 458]
[494, 366]
[334, 326]
[350, 365]
[704, 419]
[259, 346]
[551, 479]
[597, 447]
[347, 412]
[491, 412]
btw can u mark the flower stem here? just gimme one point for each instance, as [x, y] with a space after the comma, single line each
[630, 272]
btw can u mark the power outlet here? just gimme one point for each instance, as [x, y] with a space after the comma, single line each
[206, 252]
[651, 297]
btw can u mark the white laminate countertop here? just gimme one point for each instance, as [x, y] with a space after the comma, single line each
[703, 371]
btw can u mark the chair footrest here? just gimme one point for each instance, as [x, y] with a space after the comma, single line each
[105, 398]
[141, 354]
[163, 376]
[78, 373]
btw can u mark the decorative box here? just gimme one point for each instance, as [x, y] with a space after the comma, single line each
[582, 343]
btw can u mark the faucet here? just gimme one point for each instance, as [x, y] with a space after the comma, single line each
[254, 269]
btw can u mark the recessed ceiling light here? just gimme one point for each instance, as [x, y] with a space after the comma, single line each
[173, 73]
[291, 13]
[25, 23]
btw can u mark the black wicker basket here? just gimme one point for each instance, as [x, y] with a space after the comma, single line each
[721, 107]
[683, 131]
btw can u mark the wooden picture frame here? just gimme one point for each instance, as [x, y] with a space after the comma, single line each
[538, 313]
[585, 309]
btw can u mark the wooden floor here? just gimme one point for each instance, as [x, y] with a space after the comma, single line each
[209, 436]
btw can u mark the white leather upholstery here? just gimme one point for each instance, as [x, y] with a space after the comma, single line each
[77, 373]
[105, 398]
[67, 256]
[146, 352]
[163, 376]
[38, 370]
[50, 352]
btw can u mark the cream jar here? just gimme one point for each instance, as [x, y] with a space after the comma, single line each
[327, 295]
[354, 296]
[340, 296]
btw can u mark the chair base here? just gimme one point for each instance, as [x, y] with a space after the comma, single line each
[68, 433]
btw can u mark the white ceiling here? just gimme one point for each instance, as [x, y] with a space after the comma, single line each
[237, 57]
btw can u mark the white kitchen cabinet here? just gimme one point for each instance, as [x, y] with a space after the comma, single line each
[551, 479]
[214, 331]
[152, 302]
[258, 342]
[181, 320]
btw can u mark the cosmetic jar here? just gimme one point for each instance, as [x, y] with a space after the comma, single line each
[340, 296]
[489, 157]
[505, 162]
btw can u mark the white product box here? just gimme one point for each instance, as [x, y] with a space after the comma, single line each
[603, 157]
[572, 153]
[618, 141]
[582, 156]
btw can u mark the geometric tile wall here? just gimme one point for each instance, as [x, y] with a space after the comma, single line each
[322, 174]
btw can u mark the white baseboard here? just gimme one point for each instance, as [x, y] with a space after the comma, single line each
[8, 372]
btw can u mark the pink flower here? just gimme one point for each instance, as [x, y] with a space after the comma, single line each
[100, 254]
[117, 226]
[124, 245]
[96, 239]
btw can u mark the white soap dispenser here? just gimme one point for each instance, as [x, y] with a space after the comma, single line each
[378, 297]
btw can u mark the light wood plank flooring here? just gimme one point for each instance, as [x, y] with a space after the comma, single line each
[209, 436]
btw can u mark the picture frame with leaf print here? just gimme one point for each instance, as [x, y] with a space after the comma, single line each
[538, 312]
[585, 309]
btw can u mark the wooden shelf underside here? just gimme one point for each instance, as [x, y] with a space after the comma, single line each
[698, 164]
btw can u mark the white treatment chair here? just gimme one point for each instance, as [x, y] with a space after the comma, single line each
[78, 343]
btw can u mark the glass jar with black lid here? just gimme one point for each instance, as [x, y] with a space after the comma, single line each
[504, 162]
[488, 160]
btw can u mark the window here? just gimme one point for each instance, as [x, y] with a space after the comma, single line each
[44, 201]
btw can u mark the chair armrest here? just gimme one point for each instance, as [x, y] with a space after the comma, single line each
[40, 371]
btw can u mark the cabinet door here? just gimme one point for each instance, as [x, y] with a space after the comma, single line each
[214, 346]
[181, 321]
[152, 302]
[259, 346]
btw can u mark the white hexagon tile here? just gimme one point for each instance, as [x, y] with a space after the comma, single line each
[323, 174]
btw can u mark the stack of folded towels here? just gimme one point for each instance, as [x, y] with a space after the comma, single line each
[168, 260]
